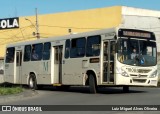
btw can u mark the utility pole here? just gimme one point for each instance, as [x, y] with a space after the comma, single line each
[37, 26]
[37, 34]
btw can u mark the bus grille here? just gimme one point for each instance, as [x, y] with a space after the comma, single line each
[138, 75]
[134, 70]
[139, 80]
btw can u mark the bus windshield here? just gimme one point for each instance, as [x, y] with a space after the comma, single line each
[133, 51]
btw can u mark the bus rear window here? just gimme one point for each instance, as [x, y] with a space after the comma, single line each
[10, 55]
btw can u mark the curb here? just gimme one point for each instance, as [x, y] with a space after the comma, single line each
[26, 93]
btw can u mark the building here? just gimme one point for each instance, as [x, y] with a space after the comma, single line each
[51, 25]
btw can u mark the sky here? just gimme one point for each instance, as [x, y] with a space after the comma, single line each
[18, 8]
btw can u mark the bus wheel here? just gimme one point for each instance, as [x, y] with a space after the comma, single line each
[126, 89]
[32, 82]
[92, 84]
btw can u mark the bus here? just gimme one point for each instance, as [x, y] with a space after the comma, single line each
[94, 59]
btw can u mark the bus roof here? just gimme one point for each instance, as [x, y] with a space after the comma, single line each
[70, 36]
[96, 32]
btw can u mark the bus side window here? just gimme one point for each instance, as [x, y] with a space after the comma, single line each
[37, 52]
[113, 49]
[77, 47]
[105, 51]
[93, 46]
[46, 51]
[67, 48]
[10, 55]
[27, 53]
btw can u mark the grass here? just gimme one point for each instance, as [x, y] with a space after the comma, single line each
[10, 90]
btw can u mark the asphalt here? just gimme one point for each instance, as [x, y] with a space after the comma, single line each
[25, 94]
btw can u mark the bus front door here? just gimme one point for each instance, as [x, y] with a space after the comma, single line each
[58, 64]
[18, 76]
[108, 61]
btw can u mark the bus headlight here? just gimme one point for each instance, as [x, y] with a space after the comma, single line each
[122, 72]
[154, 74]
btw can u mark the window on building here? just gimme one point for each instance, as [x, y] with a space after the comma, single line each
[93, 46]
[67, 48]
[10, 55]
[46, 51]
[27, 53]
[37, 52]
[77, 47]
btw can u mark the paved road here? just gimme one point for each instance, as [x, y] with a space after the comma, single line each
[80, 96]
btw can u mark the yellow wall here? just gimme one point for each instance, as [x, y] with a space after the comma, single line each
[58, 24]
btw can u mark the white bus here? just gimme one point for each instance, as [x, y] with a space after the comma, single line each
[95, 59]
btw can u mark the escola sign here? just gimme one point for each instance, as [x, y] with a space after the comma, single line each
[9, 23]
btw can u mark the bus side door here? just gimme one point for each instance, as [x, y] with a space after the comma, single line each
[58, 52]
[108, 60]
[18, 76]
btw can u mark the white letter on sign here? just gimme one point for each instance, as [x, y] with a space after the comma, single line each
[15, 23]
[3, 23]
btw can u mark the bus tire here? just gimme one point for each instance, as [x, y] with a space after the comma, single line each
[92, 84]
[126, 89]
[32, 82]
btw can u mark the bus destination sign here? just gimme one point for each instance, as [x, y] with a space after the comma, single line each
[136, 34]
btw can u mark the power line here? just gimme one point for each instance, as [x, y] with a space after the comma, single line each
[17, 40]
[89, 28]
[9, 30]
[69, 27]
[24, 28]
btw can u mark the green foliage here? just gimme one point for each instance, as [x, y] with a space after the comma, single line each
[10, 90]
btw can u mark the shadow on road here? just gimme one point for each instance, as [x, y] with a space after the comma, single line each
[104, 90]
